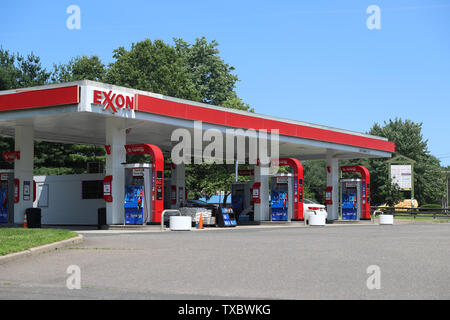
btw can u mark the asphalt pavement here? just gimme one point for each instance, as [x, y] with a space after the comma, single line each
[331, 262]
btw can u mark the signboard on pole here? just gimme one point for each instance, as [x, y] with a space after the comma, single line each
[402, 176]
[401, 173]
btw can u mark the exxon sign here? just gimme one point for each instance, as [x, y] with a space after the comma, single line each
[113, 101]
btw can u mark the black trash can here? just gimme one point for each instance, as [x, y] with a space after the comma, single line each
[101, 218]
[33, 217]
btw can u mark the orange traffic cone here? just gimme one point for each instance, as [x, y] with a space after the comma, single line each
[200, 222]
[25, 223]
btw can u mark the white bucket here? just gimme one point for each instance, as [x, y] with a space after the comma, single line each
[386, 219]
[317, 220]
[180, 223]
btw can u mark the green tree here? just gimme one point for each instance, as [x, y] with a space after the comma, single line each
[234, 102]
[391, 193]
[31, 71]
[9, 72]
[211, 76]
[59, 158]
[314, 180]
[17, 71]
[152, 66]
[80, 68]
[182, 70]
[6, 144]
[407, 136]
[187, 71]
[214, 178]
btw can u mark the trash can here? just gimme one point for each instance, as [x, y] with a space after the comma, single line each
[33, 217]
[180, 223]
[101, 213]
[386, 219]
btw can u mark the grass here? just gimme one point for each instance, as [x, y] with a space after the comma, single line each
[19, 239]
[421, 218]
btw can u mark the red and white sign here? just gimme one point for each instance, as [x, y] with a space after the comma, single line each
[246, 172]
[10, 156]
[113, 101]
[135, 149]
[349, 169]
[107, 192]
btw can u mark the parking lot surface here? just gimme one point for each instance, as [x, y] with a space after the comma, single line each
[328, 262]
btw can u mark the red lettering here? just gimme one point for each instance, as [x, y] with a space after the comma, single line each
[97, 97]
[11, 156]
[120, 101]
[129, 103]
[113, 100]
[109, 101]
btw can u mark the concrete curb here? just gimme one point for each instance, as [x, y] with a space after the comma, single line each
[41, 249]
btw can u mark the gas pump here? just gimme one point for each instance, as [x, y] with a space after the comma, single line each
[241, 200]
[7, 187]
[364, 190]
[351, 199]
[156, 195]
[138, 193]
[281, 199]
[297, 194]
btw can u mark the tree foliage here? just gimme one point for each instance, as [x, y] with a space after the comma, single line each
[17, 71]
[188, 71]
[9, 72]
[80, 68]
[407, 135]
[314, 180]
[152, 66]
[196, 72]
[182, 70]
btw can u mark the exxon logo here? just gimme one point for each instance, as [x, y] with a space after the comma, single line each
[113, 101]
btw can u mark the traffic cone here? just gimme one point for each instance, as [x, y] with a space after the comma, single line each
[25, 223]
[200, 223]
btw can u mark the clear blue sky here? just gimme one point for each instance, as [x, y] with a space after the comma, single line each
[314, 61]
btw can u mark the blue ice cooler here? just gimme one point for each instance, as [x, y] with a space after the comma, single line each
[134, 202]
[134, 216]
[349, 211]
[279, 205]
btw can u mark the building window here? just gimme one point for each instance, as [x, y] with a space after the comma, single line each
[92, 189]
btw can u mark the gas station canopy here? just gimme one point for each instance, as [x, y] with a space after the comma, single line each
[87, 112]
[77, 112]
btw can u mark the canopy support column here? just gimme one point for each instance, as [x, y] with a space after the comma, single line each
[262, 207]
[23, 170]
[178, 182]
[332, 167]
[116, 139]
